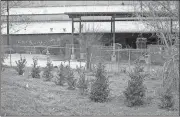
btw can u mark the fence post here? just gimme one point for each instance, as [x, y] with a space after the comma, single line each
[80, 63]
[149, 59]
[149, 62]
[10, 57]
[118, 59]
[69, 57]
[129, 58]
[88, 58]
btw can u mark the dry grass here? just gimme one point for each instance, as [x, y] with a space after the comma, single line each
[46, 98]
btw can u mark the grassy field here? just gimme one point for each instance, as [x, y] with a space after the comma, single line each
[46, 98]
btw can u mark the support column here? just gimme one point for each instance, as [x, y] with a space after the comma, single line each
[81, 53]
[111, 26]
[72, 54]
[113, 58]
[80, 25]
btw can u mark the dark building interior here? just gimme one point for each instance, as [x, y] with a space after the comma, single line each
[129, 39]
[125, 39]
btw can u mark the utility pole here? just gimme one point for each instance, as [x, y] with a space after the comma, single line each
[113, 57]
[0, 47]
[8, 39]
[8, 23]
[178, 42]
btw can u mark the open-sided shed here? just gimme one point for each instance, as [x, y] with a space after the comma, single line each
[114, 16]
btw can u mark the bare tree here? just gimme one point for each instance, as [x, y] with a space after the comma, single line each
[6, 6]
[163, 18]
[1, 51]
[87, 39]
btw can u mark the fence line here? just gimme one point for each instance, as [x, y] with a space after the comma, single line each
[98, 53]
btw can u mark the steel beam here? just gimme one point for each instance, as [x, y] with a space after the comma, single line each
[113, 58]
[80, 25]
[72, 55]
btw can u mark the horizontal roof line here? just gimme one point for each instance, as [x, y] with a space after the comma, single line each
[37, 21]
[116, 14]
[85, 33]
[75, 6]
[75, 13]
[35, 14]
[96, 20]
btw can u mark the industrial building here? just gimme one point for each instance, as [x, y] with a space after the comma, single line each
[50, 23]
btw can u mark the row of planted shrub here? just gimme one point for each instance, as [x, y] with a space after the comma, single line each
[99, 90]
[47, 72]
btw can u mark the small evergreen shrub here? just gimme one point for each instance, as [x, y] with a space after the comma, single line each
[66, 70]
[21, 64]
[2, 58]
[138, 67]
[2, 65]
[166, 101]
[100, 87]
[135, 92]
[80, 70]
[70, 80]
[82, 83]
[35, 72]
[60, 78]
[48, 71]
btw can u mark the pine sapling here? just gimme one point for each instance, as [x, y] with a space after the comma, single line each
[2, 65]
[100, 87]
[70, 80]
[60, 78]
[35, 72]
[48, 71]
[3, 56]
[21, 64]
[82, 83]
[166, 100]
[135, 92]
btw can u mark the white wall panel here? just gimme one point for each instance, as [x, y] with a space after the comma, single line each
[66, 27]
[56, 10]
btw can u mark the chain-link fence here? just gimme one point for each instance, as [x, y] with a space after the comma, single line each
[56, 53]
[124, 57]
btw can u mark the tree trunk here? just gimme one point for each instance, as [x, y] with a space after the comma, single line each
[88, 58]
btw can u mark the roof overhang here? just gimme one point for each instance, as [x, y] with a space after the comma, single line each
[114, 14]
[80, 14]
